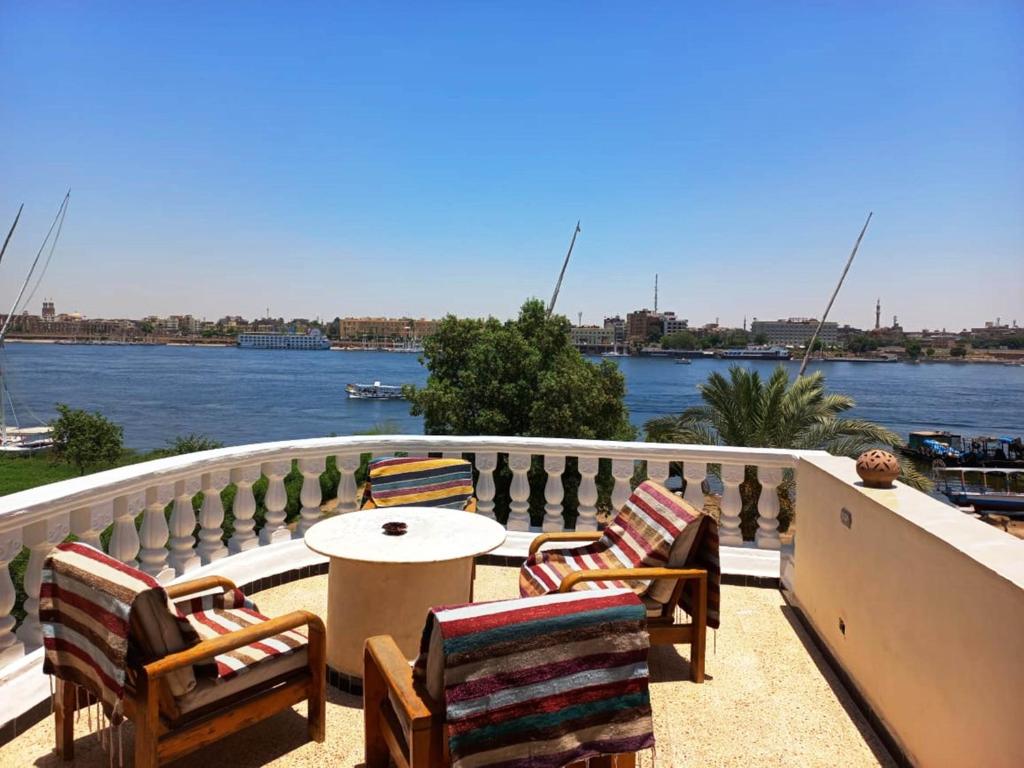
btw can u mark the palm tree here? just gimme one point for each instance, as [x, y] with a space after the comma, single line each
[746, 410]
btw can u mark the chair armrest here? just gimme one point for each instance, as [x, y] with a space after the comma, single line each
[178, 591]
[207, 649]
[382, 651]
[628, 574]
[544, 538]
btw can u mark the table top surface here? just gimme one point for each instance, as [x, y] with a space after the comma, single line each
[432, 535]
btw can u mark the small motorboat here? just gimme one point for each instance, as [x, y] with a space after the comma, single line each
[682, 361]
[375, 391]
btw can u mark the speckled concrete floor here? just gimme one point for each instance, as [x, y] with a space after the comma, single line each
[768, 701]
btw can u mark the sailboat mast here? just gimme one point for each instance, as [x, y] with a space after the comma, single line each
[7, 239]
[558, 285]
[849, 261]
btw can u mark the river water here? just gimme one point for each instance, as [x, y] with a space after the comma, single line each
[243, 396]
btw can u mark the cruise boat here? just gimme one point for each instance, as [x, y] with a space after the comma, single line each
[375, 391]
[756, 352]
[311, 340]
[983, 495]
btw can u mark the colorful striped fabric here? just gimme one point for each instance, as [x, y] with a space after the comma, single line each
[420, 481]
[219, 614]
[540, 682]
[85, 605]
[640, 536]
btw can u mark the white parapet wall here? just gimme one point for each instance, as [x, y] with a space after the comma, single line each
[922, 606]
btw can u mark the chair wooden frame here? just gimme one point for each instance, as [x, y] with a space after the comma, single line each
[663, 629]
[404, 724]
[163, 734]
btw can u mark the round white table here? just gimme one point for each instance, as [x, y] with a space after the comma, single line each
[384, 585]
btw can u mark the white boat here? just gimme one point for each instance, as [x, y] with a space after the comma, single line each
[22, 441]
[312, 340]
[756, 352]
[375, 391]
[683, 361]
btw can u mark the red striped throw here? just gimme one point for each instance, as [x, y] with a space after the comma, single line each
[540, 682]
[85, 606]
[642, 535]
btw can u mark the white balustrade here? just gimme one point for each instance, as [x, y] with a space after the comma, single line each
[554, 492]
[485, 463]
[11, 647]
[243, 508]
[586, 519]
[657, 471]
[211, 518]
[729, 532]
[767, 534]
[87, 523]
[519, 507]
[153, 533]
[275, 502]
[183, 556]
[622, 471]
[310, 495]
[40, 538]
[695, 473]
[124, 541]
[348, 465]
[42, 517]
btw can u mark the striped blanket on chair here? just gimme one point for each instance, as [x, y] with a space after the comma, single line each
[540, 682]
[652, 530]
[402, 481]
[85, 605]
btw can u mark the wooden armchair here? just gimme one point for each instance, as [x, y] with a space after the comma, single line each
[661, 617]
[167, 727]
[403, 724]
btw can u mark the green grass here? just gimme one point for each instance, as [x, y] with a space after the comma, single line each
[19, 473]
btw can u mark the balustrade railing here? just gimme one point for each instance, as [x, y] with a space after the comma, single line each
[149, 510]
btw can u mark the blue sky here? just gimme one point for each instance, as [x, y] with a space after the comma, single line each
[424, 158]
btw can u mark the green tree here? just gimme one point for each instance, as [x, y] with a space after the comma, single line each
[520, 377]
[746, 410]
[85, 439]
[912, 348]
[679, 340]
[930, 351]
[761, 338]
[192, 443]
[958, 352]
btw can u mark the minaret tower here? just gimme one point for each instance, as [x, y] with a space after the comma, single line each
[878, 314]
[655, 293]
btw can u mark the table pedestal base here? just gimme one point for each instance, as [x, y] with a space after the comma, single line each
[367, 599]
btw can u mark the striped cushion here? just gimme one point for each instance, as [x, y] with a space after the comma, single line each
[542, 681]
[642, 535]
[419, 481]
[220, 614]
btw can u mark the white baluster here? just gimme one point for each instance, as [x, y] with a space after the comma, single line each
[657, 471]
[729, 532]
[154, 533]
[519, 508]
[695, 472]
[89, 522]
[485, 465]
[243, 508]
[275, 501]
[124, 542]
[767, 534]
[622, 471]
[183, 557]
[310, 495]
[587, 494]
[11, 647]
[211, 518]
[348, 464]
[40, 538]
[553, 494]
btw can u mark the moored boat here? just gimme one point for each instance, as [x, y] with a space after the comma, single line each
[375, 391]
[984, 495]
[756, 352]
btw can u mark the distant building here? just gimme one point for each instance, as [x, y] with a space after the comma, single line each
[618, 325]
[795, 331]
[385, 328]
[592, 337]
[670, 323]
[48, 312]
[643, 324]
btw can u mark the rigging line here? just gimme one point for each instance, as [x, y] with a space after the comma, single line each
[11, 232]
[7, 322]
[49, 256]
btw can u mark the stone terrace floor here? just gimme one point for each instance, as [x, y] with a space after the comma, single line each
[769, 700]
